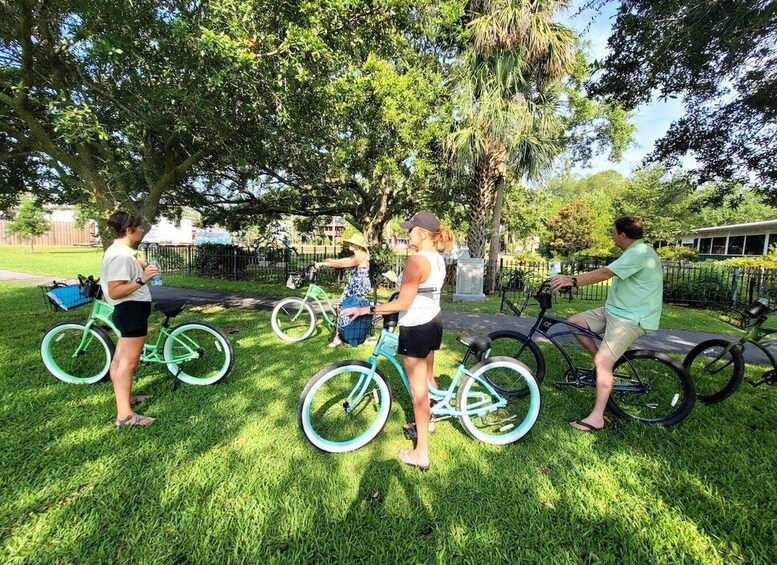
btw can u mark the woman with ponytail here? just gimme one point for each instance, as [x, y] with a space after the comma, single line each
[420, 320]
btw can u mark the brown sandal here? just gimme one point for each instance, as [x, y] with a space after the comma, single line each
[134, 420]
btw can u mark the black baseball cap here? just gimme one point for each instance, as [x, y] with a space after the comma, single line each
[423, 219]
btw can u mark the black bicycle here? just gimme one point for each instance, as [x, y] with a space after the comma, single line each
[717, 366]
[648, 386]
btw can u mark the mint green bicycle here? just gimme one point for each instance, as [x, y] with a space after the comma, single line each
[294, 319]
[346, 404]
[195, 352]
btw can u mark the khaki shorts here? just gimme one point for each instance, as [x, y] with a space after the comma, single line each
[618, 335]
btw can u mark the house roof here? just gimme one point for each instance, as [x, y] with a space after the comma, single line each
[766, 225]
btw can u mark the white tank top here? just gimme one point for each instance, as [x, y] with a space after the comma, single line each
[426, 305]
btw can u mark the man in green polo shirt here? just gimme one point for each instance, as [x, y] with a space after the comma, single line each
[632, 308]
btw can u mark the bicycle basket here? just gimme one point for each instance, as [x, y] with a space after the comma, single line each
[546, 300]
[295, 280]
[61, 296]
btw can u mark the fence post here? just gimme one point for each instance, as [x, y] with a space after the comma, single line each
[191, 259]
[234, 264]
[734, 285]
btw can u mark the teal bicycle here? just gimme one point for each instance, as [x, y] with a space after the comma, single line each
[195, 352]
[346, 404]
[294, 319]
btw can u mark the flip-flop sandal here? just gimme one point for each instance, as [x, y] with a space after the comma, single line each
[589, 428]
[412, 433]
[138, 398]
[134, 420]
[407, 460]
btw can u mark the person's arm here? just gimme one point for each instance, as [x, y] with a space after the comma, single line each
[417, 270]
[591, 277]
[121, 289]
[353, 261]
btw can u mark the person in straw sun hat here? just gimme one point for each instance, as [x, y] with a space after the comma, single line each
[358, 284]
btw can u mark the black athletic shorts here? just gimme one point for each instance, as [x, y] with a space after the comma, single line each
[419, 341]
[131, 318]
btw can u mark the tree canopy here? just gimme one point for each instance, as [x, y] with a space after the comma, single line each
[719, 57]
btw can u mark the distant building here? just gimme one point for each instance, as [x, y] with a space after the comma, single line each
[738, 240]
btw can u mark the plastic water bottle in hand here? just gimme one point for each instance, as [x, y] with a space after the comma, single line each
[156, 280]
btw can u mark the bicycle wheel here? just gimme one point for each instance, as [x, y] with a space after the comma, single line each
[214, 353]
[508, 343]
[716, 373]
[652, 388]
[344, 406]
[481, 416]
[92, 361]
[293, 319]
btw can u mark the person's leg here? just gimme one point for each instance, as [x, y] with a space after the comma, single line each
[430, 370]
[604, 380]
[417, 373]
[618, 336]
[593, 320]
[122, 369]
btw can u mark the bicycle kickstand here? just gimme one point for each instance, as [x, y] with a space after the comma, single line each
[176, 382]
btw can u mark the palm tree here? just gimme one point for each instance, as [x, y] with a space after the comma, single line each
[508, 89]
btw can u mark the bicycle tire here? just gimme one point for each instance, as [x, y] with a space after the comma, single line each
[715, 379]
[215, 348]
[293, 319]
[670, 393]
[322, 412]
[503, 425]
[509, 343]
[90, 366]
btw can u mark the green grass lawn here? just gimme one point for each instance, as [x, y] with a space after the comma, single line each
[225, 476]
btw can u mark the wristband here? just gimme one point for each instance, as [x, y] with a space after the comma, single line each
[574, 282]
[140, 281]
[372, 309]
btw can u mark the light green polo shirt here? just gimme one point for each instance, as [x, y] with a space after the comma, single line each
[637, 290]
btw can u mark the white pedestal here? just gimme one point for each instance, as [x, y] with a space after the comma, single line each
[469, 280]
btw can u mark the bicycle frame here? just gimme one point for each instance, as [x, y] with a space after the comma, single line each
[584, 377]
[101, 312]
[313, 293]
[756, 336]
[387, 346]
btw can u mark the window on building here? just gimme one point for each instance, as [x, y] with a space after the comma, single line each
[736, 245]
[696, 243]
[719, 245]
[705, 244]
[754, 244]
[772, 239]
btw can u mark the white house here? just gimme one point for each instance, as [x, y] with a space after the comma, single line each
[733, 241]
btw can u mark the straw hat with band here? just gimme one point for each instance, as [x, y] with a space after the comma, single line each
[423, 219]
[356, 239]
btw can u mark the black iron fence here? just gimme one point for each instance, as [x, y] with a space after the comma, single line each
[707, 284]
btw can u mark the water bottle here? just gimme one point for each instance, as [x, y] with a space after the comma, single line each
[763, 300]
[156, 280]
[554, 268]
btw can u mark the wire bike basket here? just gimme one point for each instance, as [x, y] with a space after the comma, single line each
[64, 296]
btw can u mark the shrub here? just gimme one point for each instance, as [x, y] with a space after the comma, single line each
[705, 285]
[220, 260]
[677, 253]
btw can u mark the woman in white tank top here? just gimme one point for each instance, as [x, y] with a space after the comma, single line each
[420, 320]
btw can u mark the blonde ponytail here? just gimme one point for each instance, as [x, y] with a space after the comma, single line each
[443, 240]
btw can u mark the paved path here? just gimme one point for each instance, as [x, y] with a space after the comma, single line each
[672, 341]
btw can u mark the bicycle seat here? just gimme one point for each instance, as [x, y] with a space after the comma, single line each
[476, 343]
[170, 308]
